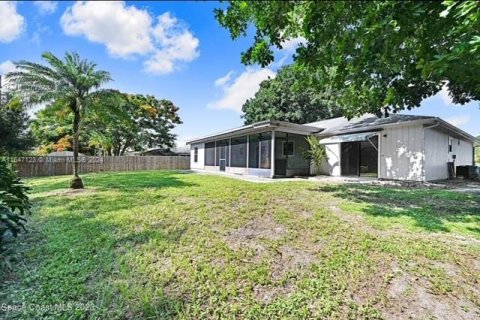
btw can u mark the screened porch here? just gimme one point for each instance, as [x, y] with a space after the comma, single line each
[267, 154]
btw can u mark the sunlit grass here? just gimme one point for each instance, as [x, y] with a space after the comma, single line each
[163, 245]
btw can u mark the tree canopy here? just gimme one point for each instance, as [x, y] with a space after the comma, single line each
[280, 98]
[136, 123]
[114, 124]
[377, 56]
[15, 135]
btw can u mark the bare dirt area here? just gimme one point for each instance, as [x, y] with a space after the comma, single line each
[396, 292]
[411, 297]
[262, 227]
[456, 184]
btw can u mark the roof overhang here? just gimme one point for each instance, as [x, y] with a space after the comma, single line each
[453, 130]
[259, 127]
[372, 128]
[433, 122]
[349, 137]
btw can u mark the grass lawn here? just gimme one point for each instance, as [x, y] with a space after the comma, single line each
[154, 244]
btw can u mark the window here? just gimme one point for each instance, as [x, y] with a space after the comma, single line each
[253, 152]
[287, 148]
[449, 145]
[265, 150]
[195, 154]
[259, 150]
[239, 152]
[210, 154]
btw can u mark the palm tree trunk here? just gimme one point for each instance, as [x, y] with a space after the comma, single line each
[76, 182]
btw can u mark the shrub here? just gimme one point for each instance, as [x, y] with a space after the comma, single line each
[14, 202]
[316, 152]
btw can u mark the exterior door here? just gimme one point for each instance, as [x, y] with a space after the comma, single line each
[350, 159]
[222, 156]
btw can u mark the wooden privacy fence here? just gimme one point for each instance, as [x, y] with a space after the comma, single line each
[56, 166]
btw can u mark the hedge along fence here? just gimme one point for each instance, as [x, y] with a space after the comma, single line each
[57, 166]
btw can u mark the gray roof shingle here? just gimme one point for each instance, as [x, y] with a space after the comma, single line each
[363, 123]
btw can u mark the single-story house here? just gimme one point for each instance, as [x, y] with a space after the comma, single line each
[398, 147]
[63, 154]
[176, 151]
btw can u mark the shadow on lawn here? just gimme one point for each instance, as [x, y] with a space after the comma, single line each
[81, 257]
[78, 251]
[429, 208]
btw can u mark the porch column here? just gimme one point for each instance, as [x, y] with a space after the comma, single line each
[272, 159]
[248, 149]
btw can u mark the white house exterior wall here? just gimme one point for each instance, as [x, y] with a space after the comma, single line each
[463, 150]
[401, 153]
[437, 153]
[200, 164]
[331, 166]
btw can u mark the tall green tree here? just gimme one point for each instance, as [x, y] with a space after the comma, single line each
[114, 124]
[143, 121]
[52, 129]
[15, 136]
[379, 56]
[284, 98]
[73, 82]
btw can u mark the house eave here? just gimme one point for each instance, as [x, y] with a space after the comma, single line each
[372, 128]
[257, 127]
[454, 129]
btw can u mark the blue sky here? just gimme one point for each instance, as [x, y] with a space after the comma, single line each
[173, 50]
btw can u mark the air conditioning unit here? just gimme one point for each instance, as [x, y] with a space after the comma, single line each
[468, 172]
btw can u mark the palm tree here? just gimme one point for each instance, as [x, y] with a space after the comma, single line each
[73, 81]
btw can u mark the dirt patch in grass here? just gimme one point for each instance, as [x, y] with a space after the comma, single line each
[412, 297]
[266, 294]
[291, 260]
[262, 227]
[283, 260]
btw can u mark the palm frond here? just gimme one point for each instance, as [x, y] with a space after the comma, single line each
[71, 79]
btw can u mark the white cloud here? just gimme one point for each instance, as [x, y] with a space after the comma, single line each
[444, 95]
[127, 31]
[176, 44]
[39, 31]
[6, 67]
[458, 120]
[292, 44]
[237, 91]
[12, 24]
[289, 47]
[124, 30]
[46, 7]
[220, 82]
